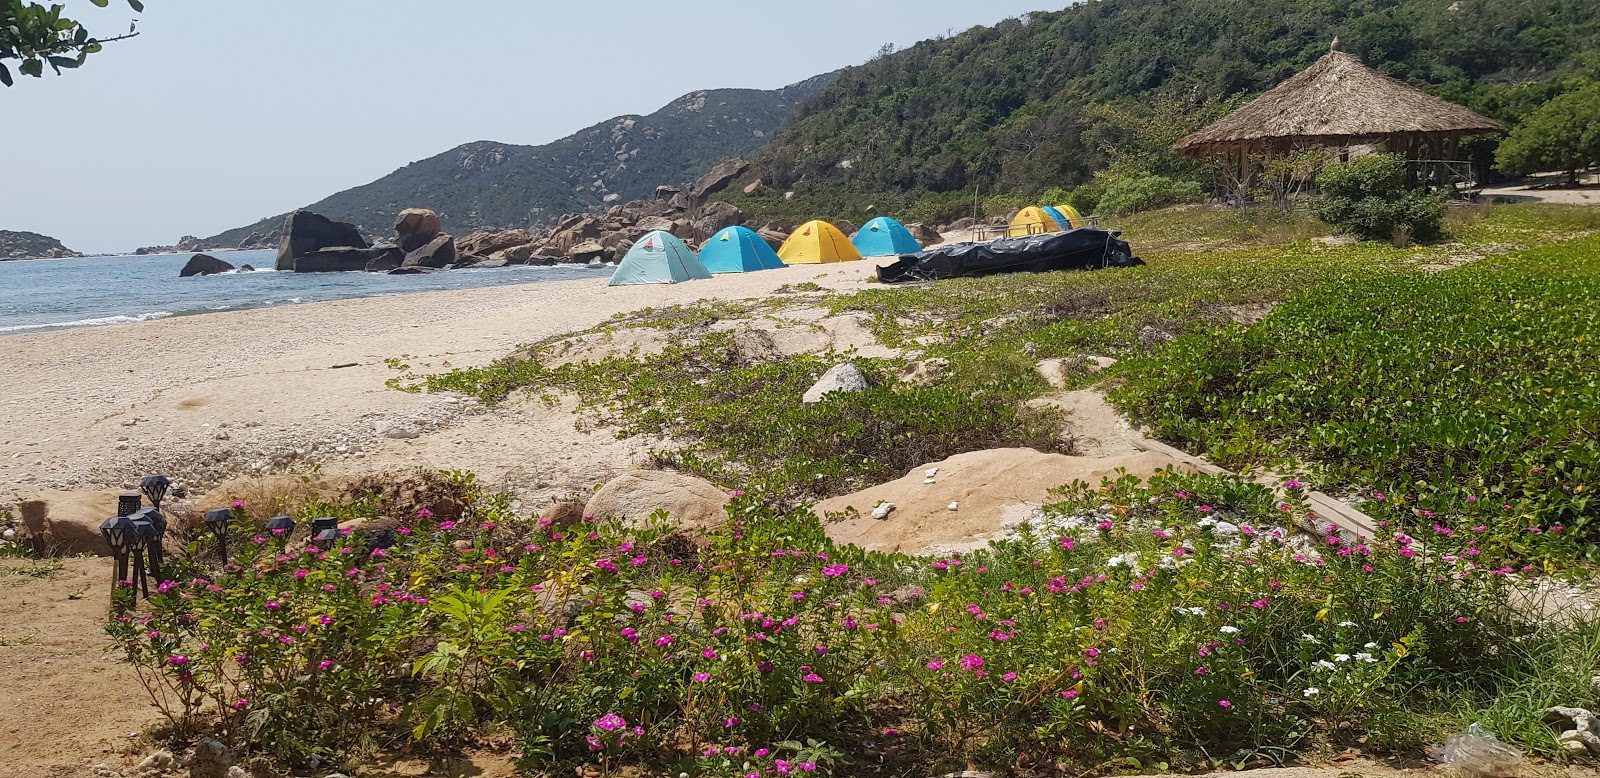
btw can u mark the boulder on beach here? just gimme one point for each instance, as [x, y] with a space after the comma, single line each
[305, 232]
[845, 377]
[382, 259]
[338, 259]
[203, 265]
[691, 503]
[439, 253]
[415, 228]
[67, 523]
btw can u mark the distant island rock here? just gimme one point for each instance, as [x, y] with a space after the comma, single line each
[32, 245]
[186, 244]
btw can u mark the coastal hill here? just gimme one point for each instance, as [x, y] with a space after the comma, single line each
[1052, 98]
[489, 185]
[32, 245]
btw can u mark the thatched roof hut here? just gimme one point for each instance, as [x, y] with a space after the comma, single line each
[1339, 102]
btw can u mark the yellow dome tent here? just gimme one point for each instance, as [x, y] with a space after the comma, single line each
[1072, 215]
[1031, 221]
[817, 243]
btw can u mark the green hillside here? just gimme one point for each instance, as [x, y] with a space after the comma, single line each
[1048, 100]
[500, 185]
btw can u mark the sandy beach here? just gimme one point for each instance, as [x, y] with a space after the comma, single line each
[205, 398]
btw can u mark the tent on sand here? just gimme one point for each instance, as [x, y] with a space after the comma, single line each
[738, 250]
[817, 243]
[885, 237]
[1065, 216]
[1031, 221]
[658, 258]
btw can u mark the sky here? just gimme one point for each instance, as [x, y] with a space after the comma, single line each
[222, 112]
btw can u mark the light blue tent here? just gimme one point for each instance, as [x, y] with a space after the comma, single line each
[1059, 215]
[885, 237]
[738, 250]
[658, 258]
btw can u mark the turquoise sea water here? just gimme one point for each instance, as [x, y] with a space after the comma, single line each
[49, 294]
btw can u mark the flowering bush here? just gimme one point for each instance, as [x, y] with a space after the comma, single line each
[1162, 620]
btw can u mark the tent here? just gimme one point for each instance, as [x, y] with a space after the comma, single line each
[1031, 221]
[738, 250]
[658, 258]
[885, 237]
[1065, 216]
[818, 243]
[1073, 215]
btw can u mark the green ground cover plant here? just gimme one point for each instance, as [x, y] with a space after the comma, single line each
[1170, 624]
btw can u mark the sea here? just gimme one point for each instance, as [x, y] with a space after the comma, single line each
[49, 294]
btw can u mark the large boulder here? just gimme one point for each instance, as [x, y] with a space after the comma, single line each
[924, 234]
[67, 523]
[305, 232]
[717, 216]
[718, 178]
[847, 227]
[439, 253]
[204, 265]
[651, 224]
[416, 227]
[773, 238]
[488, 243]
[667, 193]
[587, 251]
[638, 210]
[382, 259]
[845, 377]
[691, 503]
[992, 493]
[339, 259]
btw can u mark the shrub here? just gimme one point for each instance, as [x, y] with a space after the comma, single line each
[1368, 196]
[1085, 198]
[1146, 192]
[1562, 134]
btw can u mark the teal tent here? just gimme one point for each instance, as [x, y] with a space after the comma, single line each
[738, 250]
[658, 258]
[1059, 215]
[885, 237]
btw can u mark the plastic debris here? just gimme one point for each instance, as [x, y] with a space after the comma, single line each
[955, 506]
[932, 471]
[1478, 752]
[882, 511]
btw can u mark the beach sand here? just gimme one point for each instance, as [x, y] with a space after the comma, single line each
[208, 397]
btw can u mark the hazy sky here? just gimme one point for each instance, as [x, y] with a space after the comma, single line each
[222, 112]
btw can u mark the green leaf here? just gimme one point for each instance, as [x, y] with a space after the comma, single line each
[5, 75]
[137, 6]
[32, 67]
[100, 3]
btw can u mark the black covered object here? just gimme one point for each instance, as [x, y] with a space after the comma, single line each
[1087, 248]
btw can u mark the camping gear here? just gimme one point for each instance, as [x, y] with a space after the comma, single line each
[885, 237]
[738, 250]
[817, 243]
[1031, 221]
[1074, 218]
[1089, 248]
[658, 258]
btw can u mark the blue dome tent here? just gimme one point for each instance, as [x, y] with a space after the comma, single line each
[738, 250]
[885, 237]
[658, 258]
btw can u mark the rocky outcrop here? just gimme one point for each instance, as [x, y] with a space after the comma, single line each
[260, 240]
[67, 523]
[339, 259]
[438, 253]
[385, 258]
[416, 227]
[305, 232]
[847, 227]
[717, 178]
[924, 234]
[691, 503]
[32, 245]
[204, 265]
[185, 245]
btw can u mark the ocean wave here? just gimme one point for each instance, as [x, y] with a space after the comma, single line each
[96, 322]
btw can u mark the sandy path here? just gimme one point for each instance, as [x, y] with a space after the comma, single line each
[208, 396]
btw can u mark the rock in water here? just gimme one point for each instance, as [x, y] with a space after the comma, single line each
[690, 503]
[416, 227]
[384, 259]
[203, 265]
[340, 259]
[844, 377]
[439, 253]
[305, 232]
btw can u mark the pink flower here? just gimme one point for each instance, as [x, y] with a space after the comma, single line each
[834, 571]
[447, 525]
[1069, 693]
[1009, 677]
[1225, 703]
[241, 704]
[812, 678]
[1092, 653]
[324, 664]
[663, 641]
[702, 677]
[610, 722]
[273, 605]
[178, 660]
[935, 665]
[972, 662]
[424, 513]
[237, 504]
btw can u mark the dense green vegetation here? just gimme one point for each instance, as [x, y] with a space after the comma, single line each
[1142, 627]
[1563, 134]
[39, 36]
[1368, 197]
[1052, 99]
[488, 185]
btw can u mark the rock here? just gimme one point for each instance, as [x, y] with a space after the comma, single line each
[653, 223]
[385, 259]
[717, 216]
[667, 193]
[341, 259]
[587, 251]
[158, 762]
[487, 243]
[1579, 729]
[484, 264]
[845, 377]
[616, 245]
[1056, 371]
[773, 239]
[416, 227]
[1150, 337]
[439, 253]
[563, 514]
[1338, 240]
[925, 372]
[718, 178]
[211, 759]
[67, 523]
[237, 772]
[203, 265]
[883, 510]
[847, 227]
[924, 234]
[246, 269]
[412, 271]
[753, 187]
[305, 232]
[991, 488]
[516, 255]
[961, 224]
[690, 503]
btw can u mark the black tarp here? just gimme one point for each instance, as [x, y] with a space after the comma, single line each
[1086, 248]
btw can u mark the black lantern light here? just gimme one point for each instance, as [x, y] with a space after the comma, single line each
[280, 528]
[217, 522]
[119, 532]
[375, 539]
[144, 533]
[324, 532]
[157, 540]
[155, 488]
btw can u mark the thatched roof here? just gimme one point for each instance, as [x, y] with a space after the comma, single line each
[1336, 102]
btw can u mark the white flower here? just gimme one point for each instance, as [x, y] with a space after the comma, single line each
[1310, 639]
[1366, 657]
[1312, 692]
[1341, 657]
[1229, 630]
[1325, 664]
[1370, 645]
[1347, 624]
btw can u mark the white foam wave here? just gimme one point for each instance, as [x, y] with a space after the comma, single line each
[103, 320]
